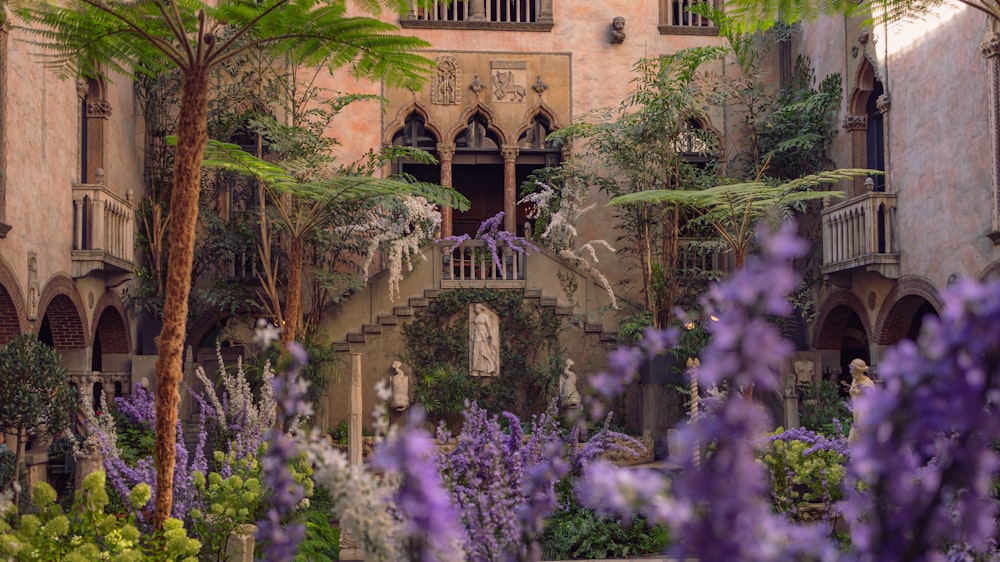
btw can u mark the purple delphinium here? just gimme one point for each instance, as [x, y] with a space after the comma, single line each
[430, 523]
[281, 536]
[925, 456]
[816, 441]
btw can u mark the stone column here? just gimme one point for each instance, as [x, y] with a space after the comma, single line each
[477, 10]
[509, 152]
[545, 11]
[446, 152]
[856, 125]
[354, 409]
[991, 50]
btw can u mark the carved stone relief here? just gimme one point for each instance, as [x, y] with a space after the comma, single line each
[484, 342]
[509, 80]
[445, 82]
[477, 86]
[539, 86]
[99, 108]
[33, 287]
[855, 122]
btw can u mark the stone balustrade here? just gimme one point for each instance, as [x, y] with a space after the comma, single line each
[472, 260]
[103, 230]
[496, 11]
[859, 234]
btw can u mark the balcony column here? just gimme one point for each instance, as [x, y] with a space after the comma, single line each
[78, 224]
[545, 11]
[509, 152]
[446, 153]
[991, 50]
[477, 10]
[856, 125]
[98, 210]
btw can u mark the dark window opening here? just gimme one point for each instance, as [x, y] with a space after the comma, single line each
[875, 136]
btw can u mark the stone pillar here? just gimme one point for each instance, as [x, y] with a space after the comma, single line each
[446, 152]
[240, 544]
[91, 461]
[509, 152]
[545, 11]
[477, 10]
[856, 125]
[355, 413]
[991, 50]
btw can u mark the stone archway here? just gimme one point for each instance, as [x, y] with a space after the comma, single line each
[842, 332]
[111, 343]
[904, 310]
[12, 313]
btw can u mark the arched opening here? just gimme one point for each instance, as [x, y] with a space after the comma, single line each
[843, 332]
[905, 319]
[111, 342]
[10, 327]
[478, 174]
[415, 134]
[875, 135]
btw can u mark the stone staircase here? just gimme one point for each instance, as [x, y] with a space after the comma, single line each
[400, 314]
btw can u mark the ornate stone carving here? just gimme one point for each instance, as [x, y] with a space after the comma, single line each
[855, 122]
[82, 88]
[854, 51]
[484, 342]
[618, 30]
[539, 86]
[509, 152]
[477, 85]
[445, 151]
[863, 38]
[872, 300]
[509, 78]
[802, 370]
[883, 103]
[33, 287]
[100, 108]
[400, 385]
[445, 81]
[991, 45]
[569, 396]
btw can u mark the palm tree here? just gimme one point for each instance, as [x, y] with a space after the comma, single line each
[132, 37]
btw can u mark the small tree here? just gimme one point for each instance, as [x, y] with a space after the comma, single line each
[35, 396]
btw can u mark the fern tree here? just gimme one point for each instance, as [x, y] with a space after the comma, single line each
[761, 14]
[132, 37]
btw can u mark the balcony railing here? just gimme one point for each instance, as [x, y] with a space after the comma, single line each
[699, 254]
[859, 234]
[474, 12]
[103, 230]
[472, 261]
[675, 18]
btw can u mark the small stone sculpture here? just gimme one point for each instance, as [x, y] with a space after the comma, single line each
[618, 30]
[484, 342]
[400, 385]
[861, 383]
[569, 396]
[802, 371]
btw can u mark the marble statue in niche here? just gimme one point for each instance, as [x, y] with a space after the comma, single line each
[484, 342]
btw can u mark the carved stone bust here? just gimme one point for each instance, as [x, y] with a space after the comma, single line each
[618, 30]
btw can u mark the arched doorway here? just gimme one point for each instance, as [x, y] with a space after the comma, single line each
[905, 319]
[843, 335]
[10, 326]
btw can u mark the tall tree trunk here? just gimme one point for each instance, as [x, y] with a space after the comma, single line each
[18, 442]
[192, 136]
[293, 291]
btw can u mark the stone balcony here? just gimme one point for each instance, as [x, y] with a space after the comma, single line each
[103, 231]
[859, 235]
[471, 263]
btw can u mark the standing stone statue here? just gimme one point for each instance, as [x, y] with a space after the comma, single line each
[400, 385]
[569, 396]
[484, 342]
[861, 384]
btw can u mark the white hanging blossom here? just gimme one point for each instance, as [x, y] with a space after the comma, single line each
[399, 230]
[258, 415]
[563, 211]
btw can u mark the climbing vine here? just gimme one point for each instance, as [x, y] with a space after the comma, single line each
[437, 347]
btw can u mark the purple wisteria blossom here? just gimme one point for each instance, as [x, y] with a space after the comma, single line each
[926, 456]
[281, 536]
[430, 522]
[492, 232]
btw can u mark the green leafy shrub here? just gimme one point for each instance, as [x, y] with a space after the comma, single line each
[577, 532]
[86, 533]
[322, 540]
[804, 470]
[820, 405]
[231, 501]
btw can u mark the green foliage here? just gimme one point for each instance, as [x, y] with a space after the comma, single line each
[322, 540]
[86, 533]
[819, 405]
[632, 327]
[578, 533]
[797, 477]
[231, 501]
[339, 433]
[437, 346]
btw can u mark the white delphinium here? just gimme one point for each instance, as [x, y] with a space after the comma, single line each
[103, 425]
[398, 228]
[257, 415]
[361, 500]
[563, 211]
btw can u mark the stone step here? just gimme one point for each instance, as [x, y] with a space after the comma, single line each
[532, 293]
[342, 347]
[418, 302]
[355, 337]
[564, 310]
[431, 293]
[402, 311]
[371, 329]
[548, 301]
[388, 319]
[609, 336]
[593, 327]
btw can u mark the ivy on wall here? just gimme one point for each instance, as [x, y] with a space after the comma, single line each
[437, 348]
